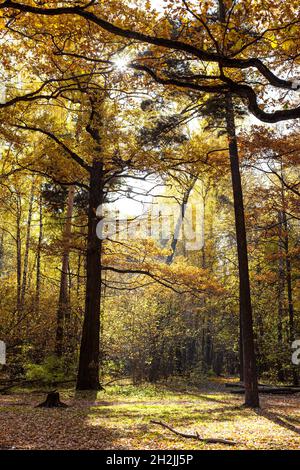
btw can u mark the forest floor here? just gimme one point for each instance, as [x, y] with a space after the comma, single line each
[119, 418]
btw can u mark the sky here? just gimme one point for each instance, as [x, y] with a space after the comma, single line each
[157, 4]
[138, 205]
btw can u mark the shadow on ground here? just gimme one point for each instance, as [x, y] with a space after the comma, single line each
[23, 426]
[282, 420]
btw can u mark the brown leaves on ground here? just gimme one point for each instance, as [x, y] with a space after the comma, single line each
[120, 419]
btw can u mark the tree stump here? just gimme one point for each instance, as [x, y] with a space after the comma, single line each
[52, 401]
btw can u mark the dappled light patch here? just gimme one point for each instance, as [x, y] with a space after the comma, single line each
[114, 420]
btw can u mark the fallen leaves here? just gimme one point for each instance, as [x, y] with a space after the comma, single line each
[117, 419]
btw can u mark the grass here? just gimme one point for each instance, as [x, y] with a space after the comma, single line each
[119, 418]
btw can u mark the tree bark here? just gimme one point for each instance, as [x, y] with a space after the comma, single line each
[64, 299]
[52, 401]
[19, 253]
[38, 259]
[250, 373]
[88, 373]
[281, 283]
[26, 254]
[1, 252]
[288, 271]
[289, 284]
[180, 220]
[241, 352]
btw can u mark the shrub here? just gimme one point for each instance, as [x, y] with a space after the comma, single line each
[52, 369]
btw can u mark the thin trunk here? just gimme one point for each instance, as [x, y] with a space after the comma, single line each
[288, 277]
[204, 198]
[289, 284]
[19, 254]
[38, 259]
[26, 253]
[208, 352]
[88, 373]
[1, 252]
[78, 274]
[64, 300]
[250, 372]
[180, 219]
[281, 283]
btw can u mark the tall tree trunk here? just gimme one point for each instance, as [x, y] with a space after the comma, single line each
[26, 253]
[289, 285]
[88, 373]
[281, 284]
[241, 350]
[19, 254]
[64, 300]
[250, 372]
[78, 274]
[1, 252]
[38, 259]
[205, 193]
[180, 220]
[288, 269]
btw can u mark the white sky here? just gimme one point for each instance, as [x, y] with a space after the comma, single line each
[157, 4]
[140, 203]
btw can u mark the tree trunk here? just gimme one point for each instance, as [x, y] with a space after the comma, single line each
[52, 401]
[288, 269]
[281, 283]
[19, 255]
[289, 291]
[208, 352]
[26, 254]
[64, 300]
[78, 274]
[250, 373]
[179, 223]
[218, 363]
[38, 260]
[88, 373]
[1, 252]
[241, 352]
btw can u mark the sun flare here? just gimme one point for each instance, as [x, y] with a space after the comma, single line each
[121, 62]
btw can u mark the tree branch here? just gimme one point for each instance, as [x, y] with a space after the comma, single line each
[244, 91]
[209, 440]
[70, 152]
